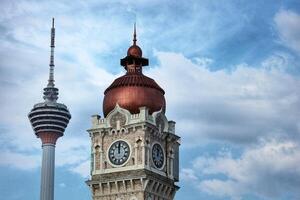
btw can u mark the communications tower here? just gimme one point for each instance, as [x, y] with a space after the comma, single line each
[49, 120]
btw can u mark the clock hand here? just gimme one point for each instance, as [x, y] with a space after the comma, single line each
[119, 145]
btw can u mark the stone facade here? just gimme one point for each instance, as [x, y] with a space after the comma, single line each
[138, 177]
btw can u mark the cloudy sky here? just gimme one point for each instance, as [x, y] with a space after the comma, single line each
[230, 69]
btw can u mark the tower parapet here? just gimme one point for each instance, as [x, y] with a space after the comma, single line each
[49, 120]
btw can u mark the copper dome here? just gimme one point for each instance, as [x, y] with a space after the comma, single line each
[134, 90]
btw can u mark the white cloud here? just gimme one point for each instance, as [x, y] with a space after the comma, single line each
[187, 174]
[221, 189]
[19, 160]
[204, 62]
[288, 25]
[83, 169]
[77, 76]
[72, 151]
[268, 170]
[255, 97]
[62, 185]
[240, 106]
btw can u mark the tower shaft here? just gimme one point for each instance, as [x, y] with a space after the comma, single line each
[47, 172]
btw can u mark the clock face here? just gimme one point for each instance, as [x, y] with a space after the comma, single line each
[119, 152]
[157, 156]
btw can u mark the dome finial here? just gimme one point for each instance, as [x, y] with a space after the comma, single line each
[134, 54]
[52, 22]
[134, 34]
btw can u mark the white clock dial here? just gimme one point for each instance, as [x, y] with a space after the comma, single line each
[119, 152]
[158, 155]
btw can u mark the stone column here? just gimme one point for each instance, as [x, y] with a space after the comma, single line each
[143, 153]
[171, 166]
[101, 159]
[47, 176]
[148, 154]
[92, 159]
[136, 154]
[102, 151]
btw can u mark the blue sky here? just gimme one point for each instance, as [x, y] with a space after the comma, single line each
[230, 69]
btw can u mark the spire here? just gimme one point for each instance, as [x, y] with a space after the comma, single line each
[134, 55]
[51, 72]
[134, 34]
[50, 92]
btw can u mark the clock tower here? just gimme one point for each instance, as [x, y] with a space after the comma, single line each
[134, 148]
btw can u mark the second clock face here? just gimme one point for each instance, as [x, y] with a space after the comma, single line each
[119, 152]
[157, 156]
